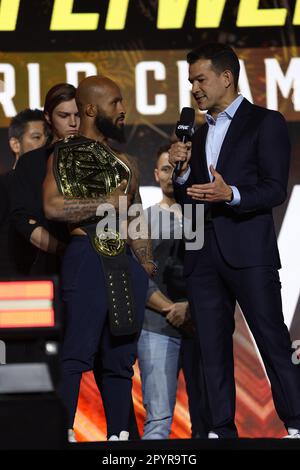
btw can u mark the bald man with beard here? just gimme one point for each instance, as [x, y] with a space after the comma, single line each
[104, 291]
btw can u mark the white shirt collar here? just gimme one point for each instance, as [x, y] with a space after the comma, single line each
[229, 112]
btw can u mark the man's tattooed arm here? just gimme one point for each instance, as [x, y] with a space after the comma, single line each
[73, 210]
[141, 246]
[142, 250]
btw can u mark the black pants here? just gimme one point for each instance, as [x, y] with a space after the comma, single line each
[87, 333]
[213, 288]
[195, 386]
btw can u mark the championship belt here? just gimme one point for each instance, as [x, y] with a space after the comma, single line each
[83, 169]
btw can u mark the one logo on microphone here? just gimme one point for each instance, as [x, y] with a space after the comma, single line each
[186, 130]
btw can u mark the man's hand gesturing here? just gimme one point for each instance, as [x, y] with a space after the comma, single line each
[217, 191]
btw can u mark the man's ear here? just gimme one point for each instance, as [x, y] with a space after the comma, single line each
[228, 78]
[15, 145]
[91, 110]
[156, 175]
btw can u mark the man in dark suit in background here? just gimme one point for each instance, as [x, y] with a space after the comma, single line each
[27, 131]
[238, 168]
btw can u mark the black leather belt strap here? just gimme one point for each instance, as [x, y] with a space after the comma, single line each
[121, 304]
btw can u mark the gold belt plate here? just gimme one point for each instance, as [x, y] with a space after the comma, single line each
[109, 243]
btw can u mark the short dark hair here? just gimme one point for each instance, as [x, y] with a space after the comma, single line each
[58, 94]
[162, 149]
[18, 124]
[222, 58]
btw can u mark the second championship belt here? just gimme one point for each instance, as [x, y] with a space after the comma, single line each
[87, 169]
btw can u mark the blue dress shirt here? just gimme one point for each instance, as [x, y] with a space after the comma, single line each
[217, 129]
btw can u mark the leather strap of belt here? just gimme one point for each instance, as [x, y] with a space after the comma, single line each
[121, 304]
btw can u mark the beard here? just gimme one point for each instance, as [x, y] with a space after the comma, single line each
[106, 126]
[168, 190]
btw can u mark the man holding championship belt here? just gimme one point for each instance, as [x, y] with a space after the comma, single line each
[104, 287]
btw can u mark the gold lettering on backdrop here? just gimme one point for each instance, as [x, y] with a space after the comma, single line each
[249, 14]
[9, 10]
[209, 13]
[64, 20]
[171, 14]
[116, 14]
[296, 19]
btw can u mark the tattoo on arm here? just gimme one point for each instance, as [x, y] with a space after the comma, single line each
[142, 247]
[77, 210]
[142, 250]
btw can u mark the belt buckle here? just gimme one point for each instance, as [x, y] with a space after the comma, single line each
[109, 243]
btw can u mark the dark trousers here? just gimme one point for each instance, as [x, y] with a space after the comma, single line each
[87, 333]
[213, 288]
[133, 426]
[195, 386]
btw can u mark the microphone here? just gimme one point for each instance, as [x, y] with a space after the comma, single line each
[184, 131]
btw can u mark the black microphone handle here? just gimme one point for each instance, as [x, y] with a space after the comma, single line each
[179, 164]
